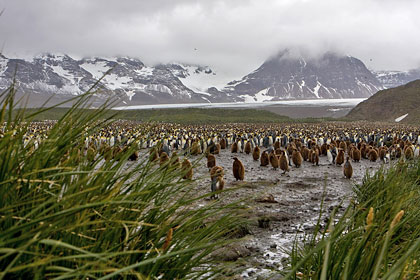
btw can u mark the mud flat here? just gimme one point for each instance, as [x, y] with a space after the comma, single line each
[295, 210]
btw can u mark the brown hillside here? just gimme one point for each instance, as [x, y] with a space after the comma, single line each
[389, 104]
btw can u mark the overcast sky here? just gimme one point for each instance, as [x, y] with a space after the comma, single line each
[233, 35]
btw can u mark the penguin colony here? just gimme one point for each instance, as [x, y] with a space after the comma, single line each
[283, 147]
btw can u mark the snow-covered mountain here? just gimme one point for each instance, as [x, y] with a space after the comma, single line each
[128, 79]
[392, 79]
[131, 82]
[288, 77]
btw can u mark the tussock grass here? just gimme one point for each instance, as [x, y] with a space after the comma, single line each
[378, 236]
[63, 216]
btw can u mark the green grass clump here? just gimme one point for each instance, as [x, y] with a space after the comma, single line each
[378, 237]
[63, 216]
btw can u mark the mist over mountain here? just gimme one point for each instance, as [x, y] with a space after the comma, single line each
[130, 82]
[391, 79]
[289, 77]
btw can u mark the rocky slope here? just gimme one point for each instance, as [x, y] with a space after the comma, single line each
[400, 104]
[287, 77]
[128, 80]
[391, 79]
[131, 82]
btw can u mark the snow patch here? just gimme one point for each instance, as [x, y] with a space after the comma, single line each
[3, 65]
[260, 96]
[97, 69]
[200, 79]
[316, 89]
[61, 71]
[114, 81]
[159, 88]
[401, 118]
[130, 94]
[145, 71]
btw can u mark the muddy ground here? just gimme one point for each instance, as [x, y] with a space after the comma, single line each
[298, 195]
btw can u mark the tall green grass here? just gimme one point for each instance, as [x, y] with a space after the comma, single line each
[378, 236]
[63, 216]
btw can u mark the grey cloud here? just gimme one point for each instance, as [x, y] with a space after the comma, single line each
[236, 36]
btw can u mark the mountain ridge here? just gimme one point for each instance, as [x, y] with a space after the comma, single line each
[131, 82]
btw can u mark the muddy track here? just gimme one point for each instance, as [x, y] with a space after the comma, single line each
[297, 195]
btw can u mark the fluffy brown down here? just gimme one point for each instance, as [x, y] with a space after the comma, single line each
[238, 169]
[348, 169]
[274, 160]
[211, 161]
[340, 157]
[264, 159]
[284, 165]
[297, 158]
[256, 153]
[187, 167]
[248, 148]
[234, 148]
[163, 158]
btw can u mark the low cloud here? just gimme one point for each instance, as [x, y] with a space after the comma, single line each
[235, 36]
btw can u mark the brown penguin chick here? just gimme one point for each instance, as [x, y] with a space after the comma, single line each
[340, 157]
[324, 149]
[187, 169]
[315, 156]
[134, 156]
[284, 165]
[195, 148]
[382, 153]
[277, 152]
[373, 155]
[238, 169]
[223, 143]
[211, 161]
[363, 152]
[290, 148]
[402, 144]
[299, 144]
[343, 146]
[90, 154]
[408, 152]
[356, 155]
[107, 152]
[175, 163]
[274, 160]
[297, 158]
[216, 171]
[234, 147]
[348, 169]
[276, 145]
[264, 160]
[153, 154]
[350, 151]
[217, 182]
[248, 148]
[116, 152]
[256, 153]
[217, 150]
[398, 152]
[163, 158]
[305, 153]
